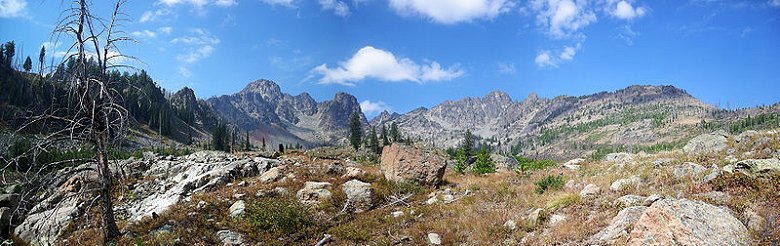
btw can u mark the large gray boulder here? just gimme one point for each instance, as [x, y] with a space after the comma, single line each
[402, 163]
[707, 143]
[505, 162]
[359, 194]
[687, 222]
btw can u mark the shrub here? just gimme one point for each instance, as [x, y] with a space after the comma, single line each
[279, 216]
[461, 161]
[527, 164]
[551, 182]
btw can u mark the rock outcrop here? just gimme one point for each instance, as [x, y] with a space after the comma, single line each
[707, 143]
[402, 163]
[687, 222]
[314, 193]
[359, 194]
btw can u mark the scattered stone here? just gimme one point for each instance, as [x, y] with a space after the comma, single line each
[590, 191]
[707, 143]
[687, 222]
[403, 163]
[335, 168]
[758, 167]
[432, 200]
[556, 219]
[619, 158]
[242, 183]
[434, 238]
[353, 172]
[754, 221]
[570, 185]
[714, 173]
[619, 226]
[313, 193]
[397, 214]
[536, 217]
[238, 195]
[358, 194]
[201, 204]
[230, 238]
[746, 136]
[272, 175]
[573, 164]
[622, 183]
[510, 224]
[662, 162]
[237, 209]
[280, 191]
[688, 169]
[629, 201]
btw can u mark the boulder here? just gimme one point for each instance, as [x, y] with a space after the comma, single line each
[688, 169]
[272, 175]
[358, 194]
[687, 222]
[353, 172]
[313, 193]
[746, 137]
[590, 191]
[619, 226]
[714, 173]
[556, 219]
[622, 183]
[758, 167]
[505, 162]
[510, 225]
[718, 197]
[707, 143]
[237, 209]
[403, 163]
[231, 238]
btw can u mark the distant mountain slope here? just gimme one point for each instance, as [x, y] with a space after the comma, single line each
[267, 113]
[562, 127]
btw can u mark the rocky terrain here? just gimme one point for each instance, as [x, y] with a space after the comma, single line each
[720, 189]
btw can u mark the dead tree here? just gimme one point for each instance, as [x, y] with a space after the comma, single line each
[93, 113]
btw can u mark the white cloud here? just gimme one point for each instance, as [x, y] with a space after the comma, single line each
[154, 15]
[546, 58]
[196, 46]
[370, 62]
[12, 8]
[506, 68]
[225, 3]
[543, 59]
[452, 11]
[166, 30]
[774, 3]
[624, 10]
[144, 34]
[286, 3]
[568, 53]
[338, 7]
[562, 18]
[372, 108]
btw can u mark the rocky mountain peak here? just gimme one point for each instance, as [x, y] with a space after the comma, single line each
[268, 89]
[184, 98]
[499, 97]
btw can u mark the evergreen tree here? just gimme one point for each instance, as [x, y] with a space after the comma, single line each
[10, 51]
[42, 59]
[263, 143]
[483, 164]
[385, 141]
[219, 137]
[395, 136]
[247, 144]
[355, 131]
[461, 161]
[374, 142]
[468, 143]
[281, 148]
[27, 64]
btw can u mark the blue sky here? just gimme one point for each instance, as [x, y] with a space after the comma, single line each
[403, 54]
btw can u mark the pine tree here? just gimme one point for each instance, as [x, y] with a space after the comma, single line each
[247, 144]
[10, 51]
[42, 59]
[461, 161]
[468, 143]
[385, 141]
[355, 131]
[483, 164]
[263, 143]
[27, 64]
[374, 142]
[395, 136]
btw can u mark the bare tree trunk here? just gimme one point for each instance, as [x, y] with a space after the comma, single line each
[110, 229]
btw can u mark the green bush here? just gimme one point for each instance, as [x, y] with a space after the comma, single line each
[461, 161]
[527, 164]
[279, 216]
[551, 182]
